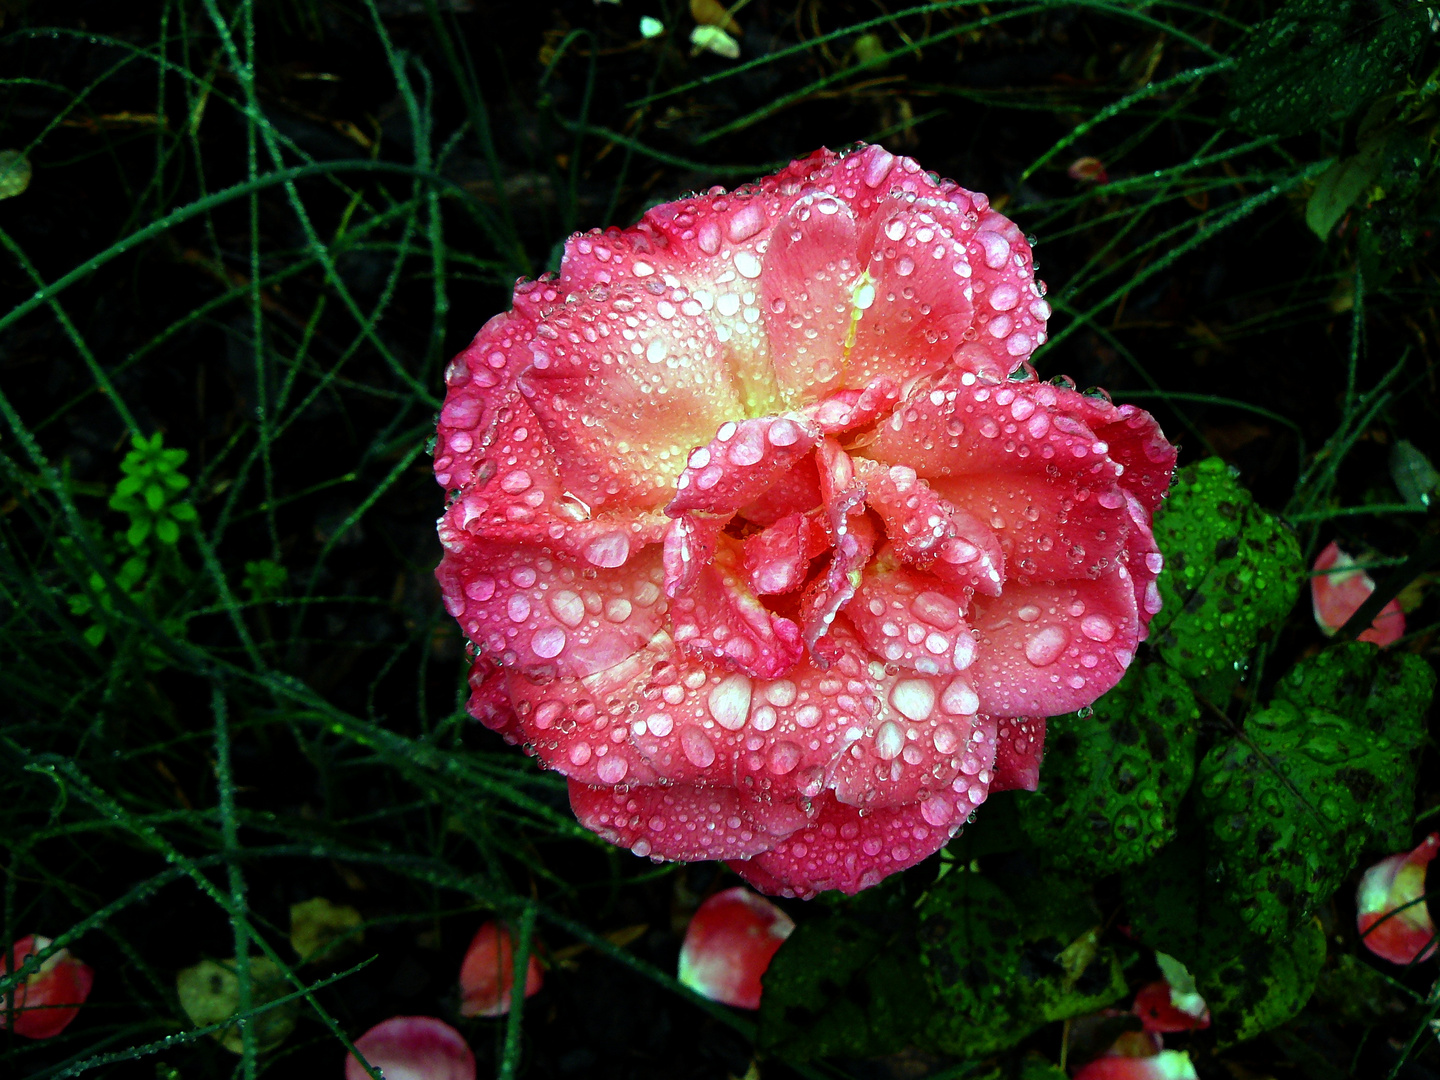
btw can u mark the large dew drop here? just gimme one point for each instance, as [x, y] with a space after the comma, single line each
[1045, 645]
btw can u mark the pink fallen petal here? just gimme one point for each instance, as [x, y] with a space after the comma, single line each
[1159, 1011]
[1166, 1065]
[49, 998]
[1391, 913]
[729, 944]
[766, 538]
[1337, 591]
[412, 1048]
[487, 973]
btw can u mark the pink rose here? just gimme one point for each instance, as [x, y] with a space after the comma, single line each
[759, 542]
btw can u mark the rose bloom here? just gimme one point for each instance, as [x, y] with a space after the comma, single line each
[766, 536]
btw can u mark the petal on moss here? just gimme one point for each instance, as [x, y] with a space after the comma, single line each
[1338, 590]
[1019, 749]
[1391, 914]
[1053, 648]
[686, 822]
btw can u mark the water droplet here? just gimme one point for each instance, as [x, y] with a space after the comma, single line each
[947, 739]
[890, 739]
[729, 702]
[697, 747]
[784, 756]
[913, 698]
[1028, 613]
[612, 768]
[579, 753]
[960, 699]
[1045, 645]
[548, 642]
[515, 482]
[568, 608]
[1097, 627]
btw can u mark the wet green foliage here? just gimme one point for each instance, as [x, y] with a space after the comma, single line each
[845, 981]
[1232, 571]
[1005, 955]
[1113, 779]
[1315, 62]
[1311, 781]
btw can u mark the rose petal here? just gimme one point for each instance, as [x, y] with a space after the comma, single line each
[1166, 1065]
[50, 998]
[1337, 591]
[1391, 913]
[719, 617]
[728, 945]
[686, 821]
[778, 557]
[413, 1048]
[911, 619]
[742, 462]
[531, 608]
[1019, 749]
[1051, 649]
[487, 974]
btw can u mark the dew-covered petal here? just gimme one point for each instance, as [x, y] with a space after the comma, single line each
[932, 532]
[1053, 648]
[914, 307]
[778, 557]
[841, 849]
[686, 821]
[625, 387]
[741, 463]
[533, 609]
[719, 617]
[912, 620]
[811, 274]
[1019, 749]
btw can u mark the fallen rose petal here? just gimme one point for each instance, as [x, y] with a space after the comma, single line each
[412, 1048]
[50, 997]
[766, 538]
[1156, 1007]
[1391, 914]
[487, 973]
[1337, 591]
[728, 945]
[1166, 1065]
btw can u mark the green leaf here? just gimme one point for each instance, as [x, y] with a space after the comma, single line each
[1265, 986]
[1324, 771]
[1249, 983]
[1317, 61]
[14, 173]
[1112, 783]
[1231, 572]
[1003, 961]
[209, 993]
[1340, 186]
[845, 982]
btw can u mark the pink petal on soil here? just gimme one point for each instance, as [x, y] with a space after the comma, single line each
[729, 944]
[1337, 591]
[487, 974]
[1391, 913]
[413, 1048]
[50, 998]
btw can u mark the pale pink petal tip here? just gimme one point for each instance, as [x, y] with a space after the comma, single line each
[1391, 913]
[487, 973]
[45, 1003]
[1337, 590]
[767, 538]
[729, 944]
[1166, 1065]
[412, 1048]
